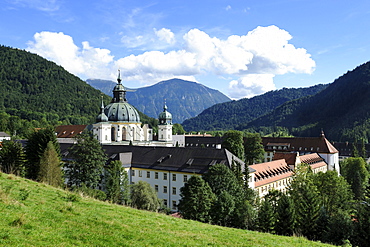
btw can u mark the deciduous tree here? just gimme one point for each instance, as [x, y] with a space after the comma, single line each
[233, 141]
[253, 148]
[144, 197]
[88, 162]
[196, 200]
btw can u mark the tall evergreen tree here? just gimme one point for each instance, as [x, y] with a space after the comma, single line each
[285, 216]
[116, 183]
[12, 158]
[196, 200]
[35, 148]
[266, 217]
[87, 164]
[50, 167]
[306, 201]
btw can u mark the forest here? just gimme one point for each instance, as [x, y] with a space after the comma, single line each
[36, 93]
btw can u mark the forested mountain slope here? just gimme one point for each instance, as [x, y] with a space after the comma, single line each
[184, 99]
[229, 115]
[342, 110]
[36, 92]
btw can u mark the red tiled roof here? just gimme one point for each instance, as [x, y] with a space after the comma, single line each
[290, 158]
[271, 171]
[300, 144]
[69, 131]
[314, 160]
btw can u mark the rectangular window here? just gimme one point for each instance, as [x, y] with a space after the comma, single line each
[174, 190]
[165, 202]
[147, 174]
[156, 175]
[164, 176]
[185, 178]
[174, 205]
[133, 173]
[156, 188]
[165, 189]
[173, 177]
[140, 173]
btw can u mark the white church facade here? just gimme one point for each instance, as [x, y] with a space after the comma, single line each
[119, 123]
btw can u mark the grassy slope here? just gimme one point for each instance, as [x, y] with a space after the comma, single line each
[53, 217]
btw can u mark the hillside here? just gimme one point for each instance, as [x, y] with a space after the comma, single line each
[185, 99]
[34, 214]
[229, 115]
[342, 110]
[40, 92]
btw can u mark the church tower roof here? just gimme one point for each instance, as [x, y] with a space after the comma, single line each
[102, 117]
[165, 117]
[119, 110]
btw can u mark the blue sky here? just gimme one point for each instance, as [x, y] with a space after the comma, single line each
[239, 47]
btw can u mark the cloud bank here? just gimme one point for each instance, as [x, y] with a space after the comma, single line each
[251, 60]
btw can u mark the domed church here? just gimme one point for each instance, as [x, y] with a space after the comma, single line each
[119, 122]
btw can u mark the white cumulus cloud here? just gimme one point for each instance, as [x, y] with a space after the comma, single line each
[251, 60]
[166, 35]
[251, 85]
[60, 48]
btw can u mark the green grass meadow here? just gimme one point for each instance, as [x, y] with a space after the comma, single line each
[34, 214]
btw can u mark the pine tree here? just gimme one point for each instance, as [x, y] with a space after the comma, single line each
[116, 183]
[306, 201]
[266, 217]
[87, 164]
[35, 148]
[196, 200]
[12, 158]
[50, 167]
[285, 216]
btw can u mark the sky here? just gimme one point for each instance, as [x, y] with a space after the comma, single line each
[242, 48]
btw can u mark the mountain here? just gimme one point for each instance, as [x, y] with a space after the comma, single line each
[184, 99]
[342, 110]
[36, 92]
[229, 115]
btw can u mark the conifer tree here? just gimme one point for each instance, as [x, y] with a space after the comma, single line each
[285, 216]
[50, 167]
[116, 183]
[266, 217]
[306, 201]
[12, 158]
[35, 148]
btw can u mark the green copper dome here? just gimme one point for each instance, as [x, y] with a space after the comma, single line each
[165, 117]
[119, 110]
[102, 117]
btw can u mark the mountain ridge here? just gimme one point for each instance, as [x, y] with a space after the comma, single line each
[183, 98]
[342, 110]
[228, 115]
